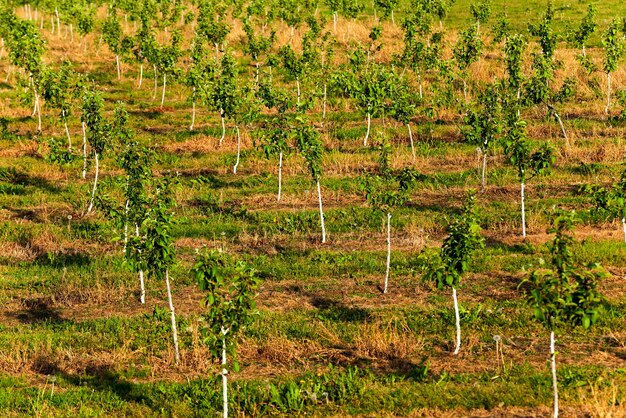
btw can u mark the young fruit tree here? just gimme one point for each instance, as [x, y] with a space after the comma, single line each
[230, 289]
[482, 127]
[369, 85]
[97, 131]
[580, 36]
[402, 106]
[112, 34]
[613, 52]
[158, 245]
[384, 191]
[168, 56]
[58, 90]
[136, 160]
[565, 296]
[310, 146]
[280, 131]
[448, 266]
[528, 163]
[467, 51]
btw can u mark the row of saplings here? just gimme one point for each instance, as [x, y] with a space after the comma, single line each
[565, 295]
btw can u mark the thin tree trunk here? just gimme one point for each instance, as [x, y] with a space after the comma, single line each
[142, 295]
[155, 82]
[217, 52]
[608, 93]
[256, 75]
[298, 91]
[420, 84]
[67, 132]
[193, 110]
[624, 228]
[84, 151]
[388, 253]
[223, 127]
[174, 330]
[71, 34]
[367, 133]
[558, 118]
[553, 367]
[119, 70]
[126, 207]
[335, 22]
[319, 198]
[280, 174]
[324, 104]
[56, 12]
[38, 108]
[464, 89]
[224, 374]
[458, 322]
[238, 149]
[6, 80]
[140, 75]
[482, 184]
[95, 184]
[408, 125]
[164, 84]
[523, 213]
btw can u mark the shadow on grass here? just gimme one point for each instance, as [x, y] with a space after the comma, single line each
[18, 178]
[37, 310]
[334, 310]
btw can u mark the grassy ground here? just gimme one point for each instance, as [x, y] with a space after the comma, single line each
[76, 342]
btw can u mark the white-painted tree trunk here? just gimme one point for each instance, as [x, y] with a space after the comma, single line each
[280, 175]
[56, 12]
[6, 80]
[335, 22]
[193, 111]
[126, 207]
[155, 82]
[419, 78]
[224, 375]
[624, 228]
[319, 198]
[95, 184]
[71, 34]
[408, 125]
[173, 315]
[558, 118]
[482, 184]
[608, 93]
[38, 107]
[457, 318]
[523, 212]
[553, 367]
[140, 75]
[386, 287]
[367, 133]
[84, 174]
[119, 70]
[324, 104]
[67, 132]
[223, 127]
[298, 91]
[164, 84]
[142, 295]
[238, 149]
